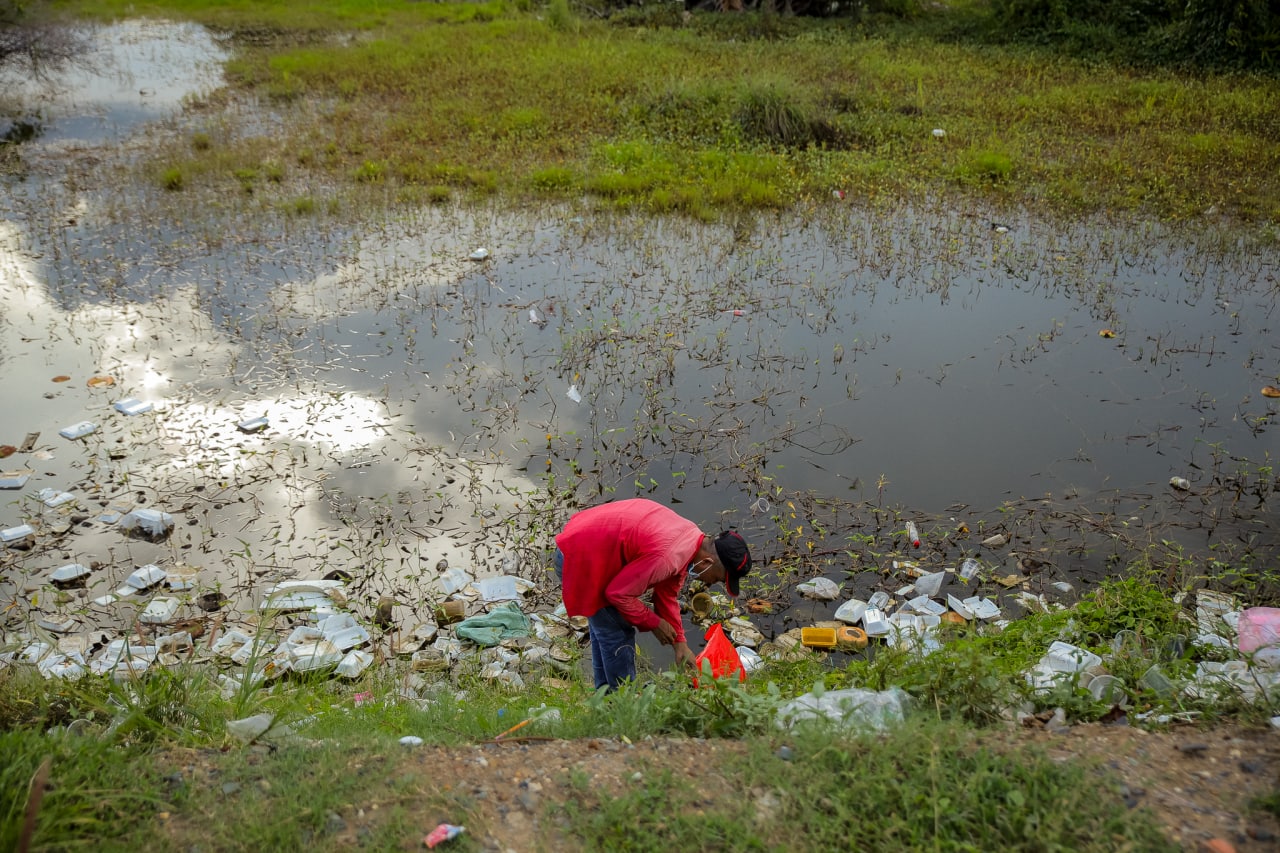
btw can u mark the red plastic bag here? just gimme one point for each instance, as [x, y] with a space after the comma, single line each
[721, 655]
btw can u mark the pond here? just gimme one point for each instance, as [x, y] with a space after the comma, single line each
[816, 378]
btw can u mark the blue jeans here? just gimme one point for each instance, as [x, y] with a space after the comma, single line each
[613, 642]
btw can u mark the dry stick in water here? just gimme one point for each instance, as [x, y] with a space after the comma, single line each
[38, 784]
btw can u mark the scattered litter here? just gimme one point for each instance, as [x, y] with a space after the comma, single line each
[253, 425]
[14, 479]
[879, 600]
[503, 622]
[250, 728]
[65, 625]
[131, 406]
[145, 577]
[851, 611]
[115, 510]
[959, 607]
[823, 589]
[838, 195]
[969, 569]
[147, 523]
[573, 394]
[1258, 628]
[354, 663]
[308, 657]
[442, 833]
[536, 318]
[818, 638]
[1270, 391]
[411, 740]
[871, 709]
[875, 623]
[53, 498]
[70, 573]
[16, 536]
[998, 540]
[479, 255]
[181, 578]
[751, 660]
[939, 133]
[1106, 333]
[79, 430]
[913, 535]
[982, 608]
[160, 611]
[931, 584]
[498, 588]
[1182, 484]
[1063, 587]
[100, 381]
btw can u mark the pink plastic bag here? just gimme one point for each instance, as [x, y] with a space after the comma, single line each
[1259, 627]
[721, 654]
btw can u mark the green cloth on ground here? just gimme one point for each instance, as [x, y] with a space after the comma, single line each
[501, 623]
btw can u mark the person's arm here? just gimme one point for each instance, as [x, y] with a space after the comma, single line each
[624, 591]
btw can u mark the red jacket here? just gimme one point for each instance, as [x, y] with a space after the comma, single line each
[614, 552]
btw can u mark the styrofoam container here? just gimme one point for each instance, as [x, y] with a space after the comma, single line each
[68, 573]
[79, 430]
[53, 498]
[982, 608]
[1064, 657]
[930, 584]
[851, 611]
[130, 406]
[354, 663]
[145, 577]
[348, 638]
[20, 533]
[925, 604]
[879, 600]
[959, 606]
[160, 611]
[315, 655]
[497, 588]
[875, 623]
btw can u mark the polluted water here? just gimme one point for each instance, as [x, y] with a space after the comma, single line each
[374, 401]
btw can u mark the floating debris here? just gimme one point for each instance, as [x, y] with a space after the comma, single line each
[131, 406]
[79, 430]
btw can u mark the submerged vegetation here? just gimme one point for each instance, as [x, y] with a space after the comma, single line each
[648, 110]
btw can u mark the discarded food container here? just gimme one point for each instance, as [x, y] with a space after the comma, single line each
[148, 523]
[951, 617]
[15, 480]
[160, 611]
[701, 605]
[480, 254]
[319, 654]
[253, 425]
[850, 637]
[68, 574]
[453, 580]
[923, 604]
[53, 498]
[879, 600]
[354, 663]
[58, 625]
[959, 607]
[913, 535]
[130, 406]
[818, 638]
[14, 536]
[851, 611]
[182, 578]
[429, 660]
[145, 577]
[574, 394]
[982, 608]
[1064, 657]
[450, 612]
[930, 584]
[79, 430]
[751, 660]
[1182, 484]
[969, 569]
[348, 638]
[875, 623]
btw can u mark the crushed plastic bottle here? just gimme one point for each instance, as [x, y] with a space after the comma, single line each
[913, 534]
[1182, 484]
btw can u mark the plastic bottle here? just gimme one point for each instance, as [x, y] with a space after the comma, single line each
[969, 569]
[913, 534]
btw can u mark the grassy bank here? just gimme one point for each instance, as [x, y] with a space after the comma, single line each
[437, 101]
[152, 762]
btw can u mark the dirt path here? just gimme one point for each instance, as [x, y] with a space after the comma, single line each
[1198, 783]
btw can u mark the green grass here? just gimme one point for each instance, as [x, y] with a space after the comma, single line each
[945, 779]
[536, 104]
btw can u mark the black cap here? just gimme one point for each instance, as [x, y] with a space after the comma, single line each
[731, 548]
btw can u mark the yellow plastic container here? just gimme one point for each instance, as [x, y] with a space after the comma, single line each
[818, 638]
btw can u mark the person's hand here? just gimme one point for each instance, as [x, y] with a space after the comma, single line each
[665, 633]
[684, 655]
